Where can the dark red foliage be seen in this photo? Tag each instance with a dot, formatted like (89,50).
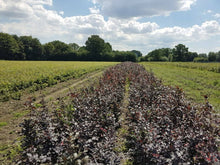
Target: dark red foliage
(167,129)
(164,128)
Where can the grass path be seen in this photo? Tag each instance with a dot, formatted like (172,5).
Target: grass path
(122,132)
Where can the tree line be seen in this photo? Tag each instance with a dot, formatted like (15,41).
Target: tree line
(13,47)
(180,53)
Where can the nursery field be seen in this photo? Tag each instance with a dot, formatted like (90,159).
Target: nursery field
(126,116)
(129,117)
(16,76)
(212,67)
(196,79)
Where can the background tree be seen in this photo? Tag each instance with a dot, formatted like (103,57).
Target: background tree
(20,55)
(13,47)
(218,56)
(8,47)
(83,54)
(95,46)
(74,46)
(165,52)
(130,56)
(107,54)
(180,53)
(155,55)
(119,56)
(170,57)
(212,56)
(200,59)
(203,55)
(57,50)
(137,53)
(48,51)
(122,56)
(191,56)
(32,47)
(162,54)
(107,48)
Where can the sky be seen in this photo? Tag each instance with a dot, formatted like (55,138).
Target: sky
(142,25)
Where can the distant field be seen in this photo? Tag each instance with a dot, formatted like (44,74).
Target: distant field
(196,79)
(19,75)
(213,67)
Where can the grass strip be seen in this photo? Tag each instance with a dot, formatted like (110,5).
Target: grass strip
(122,132)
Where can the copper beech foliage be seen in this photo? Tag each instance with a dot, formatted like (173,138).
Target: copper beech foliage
(164,128)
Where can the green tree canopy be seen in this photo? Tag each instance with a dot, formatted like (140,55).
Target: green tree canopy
(60,47)
(137,53)
(74,46)
(124,56)
(8,47)
(162,54)
(212,56)
(56,50)
(191,56)
(96,47)
(203,55)
(180,53)
(48,50)
(107,47)
(218,56)
(32,47)
(20,55)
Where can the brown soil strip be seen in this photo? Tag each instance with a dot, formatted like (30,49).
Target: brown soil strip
(122,133)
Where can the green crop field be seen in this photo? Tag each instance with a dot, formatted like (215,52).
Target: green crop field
(196,79)
(19,75)
(213,67)
(127,114)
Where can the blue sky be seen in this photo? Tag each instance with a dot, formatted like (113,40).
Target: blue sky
(141,24)
(73,7)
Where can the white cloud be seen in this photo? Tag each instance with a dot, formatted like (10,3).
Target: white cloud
(15,9)
(210,28)
(123,34)
(37,2)
(131,26)
(206,29)
(90,24)
(209,11)
(217,15)
(61,12)
(162,37)
(48,16)
(185,4)
(94,10)
(141,8)
(20,9)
